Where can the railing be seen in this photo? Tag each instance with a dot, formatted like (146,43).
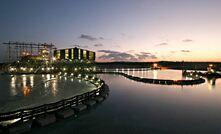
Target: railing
(31,113)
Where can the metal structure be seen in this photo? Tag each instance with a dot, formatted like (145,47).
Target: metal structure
(16,50)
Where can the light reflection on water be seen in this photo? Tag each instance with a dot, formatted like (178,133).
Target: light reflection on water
(160,74)
(139,108)
(211,83)
(154,74)
(20,91)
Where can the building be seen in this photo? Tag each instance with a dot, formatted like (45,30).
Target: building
(74,54)
(44,54)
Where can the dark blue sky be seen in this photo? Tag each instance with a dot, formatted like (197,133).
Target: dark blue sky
(118,29)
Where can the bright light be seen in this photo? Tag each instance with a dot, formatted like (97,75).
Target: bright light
(42,69)
(54,59)
(155,65)
(12,69)
(23,68)
(31,69)
(64,69)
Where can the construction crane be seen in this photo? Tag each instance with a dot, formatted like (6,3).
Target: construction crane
(16,50)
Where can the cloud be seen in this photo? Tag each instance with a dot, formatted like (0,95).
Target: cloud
(80,46)
(162,44)
(89,37)
(107,51)
(145,53)
(187,40)
(124,56)
(172,52)
(98,45)
(131,51)
(145,56)
(185,51)
(116,56)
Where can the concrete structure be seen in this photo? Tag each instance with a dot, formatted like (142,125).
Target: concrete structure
(90,103)
(80,107)
(98,99)
(73,54)
(65,113)
(46,119)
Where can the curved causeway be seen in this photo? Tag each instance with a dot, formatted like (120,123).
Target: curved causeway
(159,81)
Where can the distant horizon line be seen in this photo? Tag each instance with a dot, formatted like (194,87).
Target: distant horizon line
(142,61)
(155,61)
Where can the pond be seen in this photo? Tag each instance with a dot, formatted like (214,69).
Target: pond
(135,107)
(23,91)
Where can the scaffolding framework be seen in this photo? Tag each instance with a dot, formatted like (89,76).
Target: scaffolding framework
(16,50)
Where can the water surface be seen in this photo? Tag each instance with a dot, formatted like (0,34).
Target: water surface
(134,107)
(23,91)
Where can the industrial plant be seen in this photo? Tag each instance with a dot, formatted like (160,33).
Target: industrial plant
(45,52)
(35,58)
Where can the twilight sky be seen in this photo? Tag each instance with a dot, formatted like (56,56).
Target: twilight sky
(118,30)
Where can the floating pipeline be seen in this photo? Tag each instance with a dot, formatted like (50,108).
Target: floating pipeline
(159,81)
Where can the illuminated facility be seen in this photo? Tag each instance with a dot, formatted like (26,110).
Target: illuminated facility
(21,51)
(29,51)
(74,54)
(32,58)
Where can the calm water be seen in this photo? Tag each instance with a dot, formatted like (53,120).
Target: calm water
(22,91)
(155,74)
(134,107)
